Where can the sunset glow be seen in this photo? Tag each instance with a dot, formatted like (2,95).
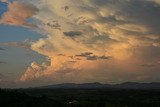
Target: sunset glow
(79,41)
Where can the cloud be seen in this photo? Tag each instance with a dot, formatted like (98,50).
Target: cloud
(25,44)
(112,38)
(156,1)
(72,33)
(91,56)
(85,54)
(6,1)
(1,62)
(97,57)
(81,20)
(2,49)
(33,71)
(54,25)
(18,13)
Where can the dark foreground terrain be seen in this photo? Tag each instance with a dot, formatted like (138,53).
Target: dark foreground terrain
(79,98)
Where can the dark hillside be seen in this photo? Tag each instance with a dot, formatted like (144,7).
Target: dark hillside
(79,98)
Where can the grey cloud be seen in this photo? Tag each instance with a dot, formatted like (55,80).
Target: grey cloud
(73,33)
(150,16)
(85,54)
(119,13)
(130,12)
(54,24)
(2,49)
(98,57)
(66,8)
(91,56)
(105,57)
(2,62)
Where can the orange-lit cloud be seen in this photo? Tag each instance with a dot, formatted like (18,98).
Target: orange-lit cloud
(18,13)
(93,40)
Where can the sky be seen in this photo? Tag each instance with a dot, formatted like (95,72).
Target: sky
(79,41)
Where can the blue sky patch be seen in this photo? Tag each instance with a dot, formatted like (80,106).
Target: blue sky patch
(3,8)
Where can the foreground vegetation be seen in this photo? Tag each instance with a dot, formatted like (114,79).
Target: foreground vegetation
(79,98)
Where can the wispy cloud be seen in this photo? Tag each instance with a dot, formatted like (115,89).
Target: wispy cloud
(24,44)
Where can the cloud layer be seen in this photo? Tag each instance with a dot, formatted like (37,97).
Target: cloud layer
(93,40)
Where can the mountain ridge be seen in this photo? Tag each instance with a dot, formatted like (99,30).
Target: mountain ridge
(96,85)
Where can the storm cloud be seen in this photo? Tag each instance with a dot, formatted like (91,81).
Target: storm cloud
(94,40)
(102,29)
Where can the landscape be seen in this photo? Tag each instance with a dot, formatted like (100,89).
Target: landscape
(84,95)
(79,53)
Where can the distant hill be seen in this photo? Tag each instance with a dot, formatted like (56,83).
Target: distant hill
(126,85)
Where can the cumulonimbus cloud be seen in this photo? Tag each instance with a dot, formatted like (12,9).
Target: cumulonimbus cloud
(114,30)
